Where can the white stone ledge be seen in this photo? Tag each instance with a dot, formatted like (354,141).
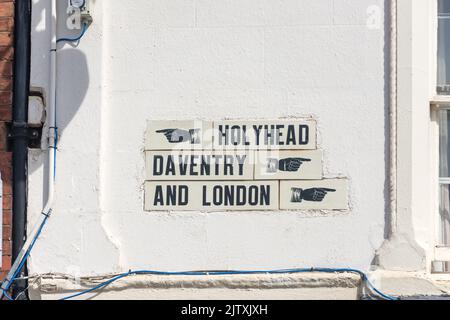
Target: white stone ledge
(346,286)
(290,286)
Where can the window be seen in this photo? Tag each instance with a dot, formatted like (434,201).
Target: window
(444,176)
(442,254)
(443,74)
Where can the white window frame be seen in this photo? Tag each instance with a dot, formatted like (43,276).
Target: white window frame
(439,102)
(441,252)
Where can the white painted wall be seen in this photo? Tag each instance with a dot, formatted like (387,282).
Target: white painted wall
(210,59)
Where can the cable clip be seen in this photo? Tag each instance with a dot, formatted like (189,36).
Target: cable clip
(49,214)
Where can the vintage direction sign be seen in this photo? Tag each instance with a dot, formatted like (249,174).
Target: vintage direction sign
(265,134)
(199,165)
(211,196)
(288,165)
(314,195)
(179,135)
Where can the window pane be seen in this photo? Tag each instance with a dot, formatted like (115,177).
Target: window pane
(444,7)
(443,81)
(444,143)
(445,215)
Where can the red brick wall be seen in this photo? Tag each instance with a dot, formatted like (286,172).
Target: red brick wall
(6,83)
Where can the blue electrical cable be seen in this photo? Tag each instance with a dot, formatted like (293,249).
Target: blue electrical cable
(363,277)
(83,31)
(25,258)
(55,150)
(7,296)
(217,273)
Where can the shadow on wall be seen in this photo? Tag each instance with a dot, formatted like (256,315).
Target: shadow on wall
(72,73)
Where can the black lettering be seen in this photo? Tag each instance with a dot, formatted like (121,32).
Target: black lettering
(159,197)
(158,165)
(257,130)
(205,167)
(183,164)
(244,136)
(241,162)
(171,196)
(265,195)
(253,196)
(183,196)
(279,135)
(241,195)
(217,196)
(229,196)
(236,135)
(304,135)
(228,165)
(170,169)
(270,135)
(291,137)
(206,203)
(217,166)
(193,165)
(224,135)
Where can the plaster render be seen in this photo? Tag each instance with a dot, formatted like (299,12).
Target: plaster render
(158,60)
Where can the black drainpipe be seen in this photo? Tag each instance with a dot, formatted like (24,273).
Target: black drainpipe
(19,130)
